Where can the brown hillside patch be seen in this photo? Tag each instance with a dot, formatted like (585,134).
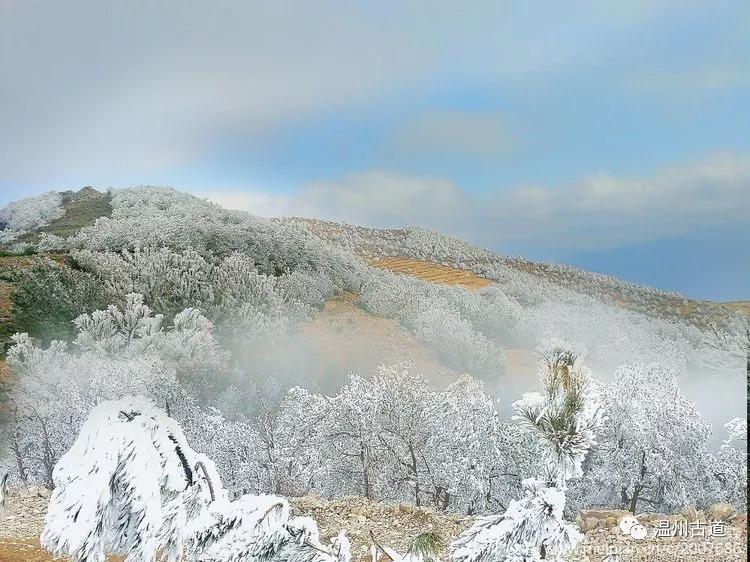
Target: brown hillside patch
(30,550)
(346,338)
(741,306)
(4,371)
(433,272)
(23,550)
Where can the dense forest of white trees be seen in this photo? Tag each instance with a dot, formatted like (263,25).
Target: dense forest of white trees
(388,435)
(192,306)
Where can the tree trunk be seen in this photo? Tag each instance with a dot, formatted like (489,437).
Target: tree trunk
(634,499)
(639,487)
(414,472)
(365,476)
(15,446)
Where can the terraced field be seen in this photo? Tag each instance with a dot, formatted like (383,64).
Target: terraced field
(432,272)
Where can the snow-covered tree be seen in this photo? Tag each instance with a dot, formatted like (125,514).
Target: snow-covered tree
(732,463)
(117,351)
(565,418)
(24,215)
(654,452)
(568,414)
(351,439)
(475,457)
(131,485)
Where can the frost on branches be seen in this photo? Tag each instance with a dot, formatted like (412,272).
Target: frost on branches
(733,463)
(565,418)
(24,215)
(117,351)
(131,485)
(656,456)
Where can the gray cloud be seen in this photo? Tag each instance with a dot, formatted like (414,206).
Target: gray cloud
(118,90)
(598,212)
(455,133)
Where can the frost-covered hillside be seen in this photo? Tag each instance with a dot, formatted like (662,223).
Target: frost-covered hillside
(225,321)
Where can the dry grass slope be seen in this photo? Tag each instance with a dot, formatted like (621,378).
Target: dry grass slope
(344,337)
(740,306)
(433,272)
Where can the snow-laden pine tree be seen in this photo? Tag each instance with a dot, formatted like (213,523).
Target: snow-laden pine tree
(131,485)
(565,418)
(425,547)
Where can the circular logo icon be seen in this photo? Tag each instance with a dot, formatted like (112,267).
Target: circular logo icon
(630,526)
(638,532)
(627,524)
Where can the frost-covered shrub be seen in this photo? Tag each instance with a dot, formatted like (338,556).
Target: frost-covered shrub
(530,530)
(170,281)
(49,296)
(244,303)
(117,351)
(51,243)
(28,214)
(132,485)
(441,316)
(163,217)
(311,288)
(456,341)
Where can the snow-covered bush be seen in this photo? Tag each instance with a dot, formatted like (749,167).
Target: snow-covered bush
(245,305)
(48,296)
(732,463)
(30,213)
(131,485)
(163,217)
(117,351)
(530,530)
(51,243)
(441,316)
